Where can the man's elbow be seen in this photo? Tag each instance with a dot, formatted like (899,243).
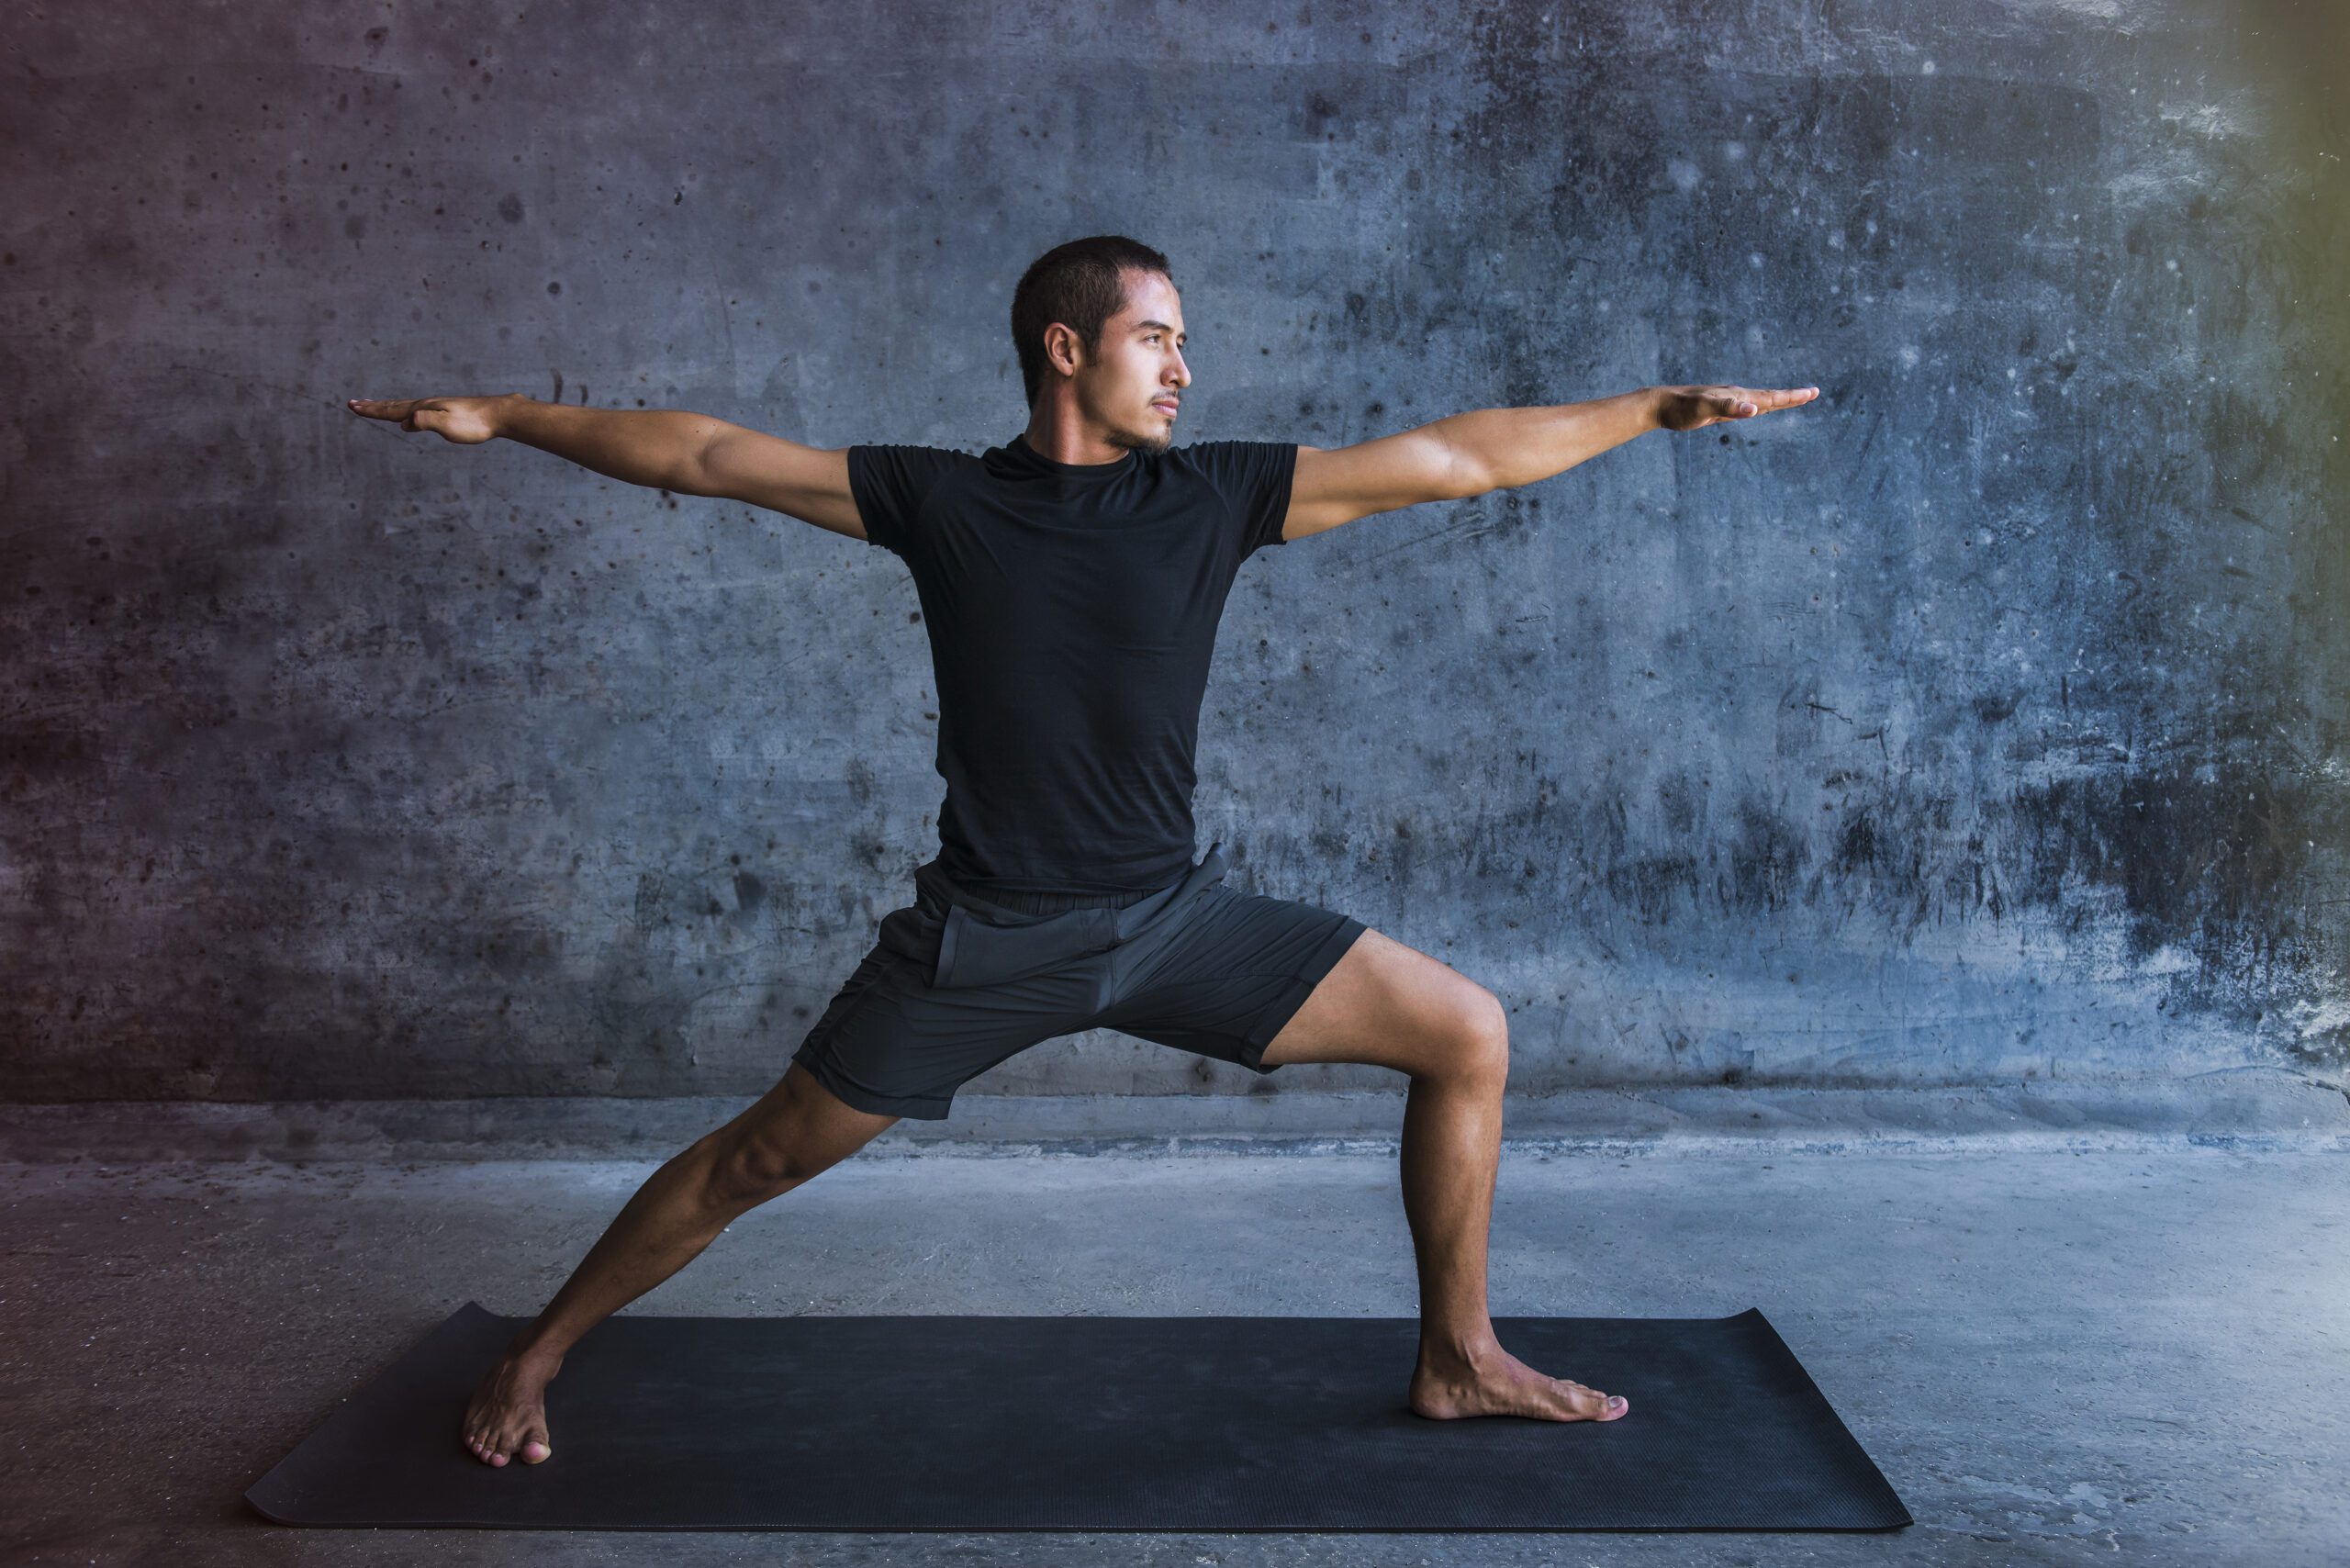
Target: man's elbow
(1465,476)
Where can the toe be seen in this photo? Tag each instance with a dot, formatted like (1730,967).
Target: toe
(536,1449)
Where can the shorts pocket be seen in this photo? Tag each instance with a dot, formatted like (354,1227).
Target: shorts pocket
(912,934)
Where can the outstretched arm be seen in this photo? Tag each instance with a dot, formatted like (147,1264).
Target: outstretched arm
(1516,446)
(670,449)
(1498,449)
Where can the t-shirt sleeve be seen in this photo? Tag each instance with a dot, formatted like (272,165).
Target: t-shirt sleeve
(889,484)
(1254,478)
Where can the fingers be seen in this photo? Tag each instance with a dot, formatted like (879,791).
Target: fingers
(1745,402)
(408,413)
(401,410)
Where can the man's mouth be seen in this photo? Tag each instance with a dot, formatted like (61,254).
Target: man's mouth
(1167,404)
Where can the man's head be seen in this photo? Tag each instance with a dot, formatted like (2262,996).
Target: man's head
(1098,324)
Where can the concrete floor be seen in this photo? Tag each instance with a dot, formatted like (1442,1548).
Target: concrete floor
(2134,1349)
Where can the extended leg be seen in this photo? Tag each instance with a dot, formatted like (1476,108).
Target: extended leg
(1392,1006)
(796,1131)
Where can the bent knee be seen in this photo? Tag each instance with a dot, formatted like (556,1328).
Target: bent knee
(1481,1048)
(1488,1032)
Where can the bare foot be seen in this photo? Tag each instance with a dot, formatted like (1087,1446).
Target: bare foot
(509,1413)
(1445,1388)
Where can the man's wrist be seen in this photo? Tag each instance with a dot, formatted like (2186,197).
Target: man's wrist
(1652,407)
(501,415)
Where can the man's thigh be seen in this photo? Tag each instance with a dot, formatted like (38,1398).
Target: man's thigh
(1262,982)
(893,1043)
(1224,973)
(1392,1006)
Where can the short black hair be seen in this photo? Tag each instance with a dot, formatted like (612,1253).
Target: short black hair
(1080,284)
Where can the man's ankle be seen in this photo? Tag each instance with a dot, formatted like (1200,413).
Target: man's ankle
(1463,1351)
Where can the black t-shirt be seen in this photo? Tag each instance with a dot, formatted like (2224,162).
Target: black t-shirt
(1072,610)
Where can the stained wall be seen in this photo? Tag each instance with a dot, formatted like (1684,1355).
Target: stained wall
(1982,721)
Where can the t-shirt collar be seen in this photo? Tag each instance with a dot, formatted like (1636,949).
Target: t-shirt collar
(1020,449)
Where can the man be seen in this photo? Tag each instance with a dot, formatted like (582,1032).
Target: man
(1071,581)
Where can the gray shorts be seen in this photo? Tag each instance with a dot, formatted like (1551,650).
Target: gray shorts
(945,994)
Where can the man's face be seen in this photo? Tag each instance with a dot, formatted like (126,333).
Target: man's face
(1132,384)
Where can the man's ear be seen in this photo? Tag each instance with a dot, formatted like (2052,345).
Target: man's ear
(1058,336)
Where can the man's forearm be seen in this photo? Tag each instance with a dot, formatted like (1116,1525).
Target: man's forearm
(1516,446)
(656,447)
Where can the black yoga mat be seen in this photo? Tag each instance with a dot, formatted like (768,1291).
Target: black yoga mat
(1208,1424)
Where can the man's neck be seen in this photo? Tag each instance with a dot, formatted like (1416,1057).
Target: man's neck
(1066,439)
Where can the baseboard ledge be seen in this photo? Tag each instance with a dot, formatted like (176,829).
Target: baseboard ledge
(2250,1108)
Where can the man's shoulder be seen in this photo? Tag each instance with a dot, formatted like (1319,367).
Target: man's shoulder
(1226,448)
(1240,460)
(1237,462)
(914,452)
(895,483)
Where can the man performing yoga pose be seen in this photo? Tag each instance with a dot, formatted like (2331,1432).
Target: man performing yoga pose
(1071,581)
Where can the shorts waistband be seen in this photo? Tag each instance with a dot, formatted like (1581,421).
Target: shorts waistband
(931,885)
(1053,903)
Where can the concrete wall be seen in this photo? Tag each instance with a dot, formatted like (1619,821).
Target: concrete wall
(1983,721)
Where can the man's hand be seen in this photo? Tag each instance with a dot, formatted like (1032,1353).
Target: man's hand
(468,422)
(1695,408)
